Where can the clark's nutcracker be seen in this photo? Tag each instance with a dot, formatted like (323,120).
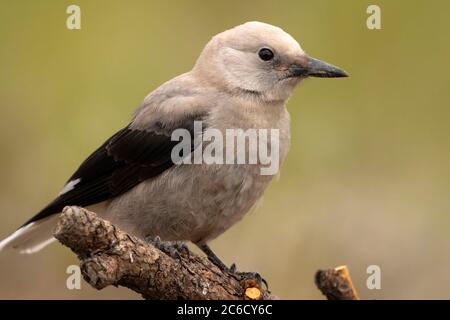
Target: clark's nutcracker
(242,79)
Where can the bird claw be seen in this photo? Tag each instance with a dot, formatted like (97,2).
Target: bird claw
(232,270)
(175,249)
(181,248)
(245,276)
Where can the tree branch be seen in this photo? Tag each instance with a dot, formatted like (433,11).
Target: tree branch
(109,256)
(336,284)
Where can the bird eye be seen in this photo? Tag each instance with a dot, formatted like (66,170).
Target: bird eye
(265,54)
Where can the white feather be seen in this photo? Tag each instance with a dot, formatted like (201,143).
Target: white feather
(5,242)
(69,186)
(32,237)
(37,235)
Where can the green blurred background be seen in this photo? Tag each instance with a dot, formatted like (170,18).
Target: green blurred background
(367,180)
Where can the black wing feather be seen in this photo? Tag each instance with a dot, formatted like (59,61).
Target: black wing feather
(123,161)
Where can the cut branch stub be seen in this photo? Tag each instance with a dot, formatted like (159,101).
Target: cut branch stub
(336,284)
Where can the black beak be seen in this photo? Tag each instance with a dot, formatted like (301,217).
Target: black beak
(317,68)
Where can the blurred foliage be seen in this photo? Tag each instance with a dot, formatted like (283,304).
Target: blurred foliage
(367,180)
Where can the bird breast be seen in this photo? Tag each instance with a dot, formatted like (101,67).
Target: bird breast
(198,202)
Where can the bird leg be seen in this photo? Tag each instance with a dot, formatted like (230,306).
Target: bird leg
(241,276)
(213,257)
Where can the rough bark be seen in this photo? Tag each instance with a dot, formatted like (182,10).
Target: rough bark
(109,256)
(336,284)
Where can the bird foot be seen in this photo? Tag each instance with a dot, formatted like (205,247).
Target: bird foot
(240,276)
(175,249)
(248,276)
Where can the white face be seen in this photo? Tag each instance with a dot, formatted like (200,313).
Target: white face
(256,58)
(260,60)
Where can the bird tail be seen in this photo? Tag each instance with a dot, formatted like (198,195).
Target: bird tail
(31,237)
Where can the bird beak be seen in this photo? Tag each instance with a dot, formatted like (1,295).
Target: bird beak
(316,68)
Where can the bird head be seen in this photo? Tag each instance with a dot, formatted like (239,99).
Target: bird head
(260,59)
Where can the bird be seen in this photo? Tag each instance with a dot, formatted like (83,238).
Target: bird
(243,78)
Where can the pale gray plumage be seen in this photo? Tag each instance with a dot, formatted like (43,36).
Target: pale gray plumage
(229,87)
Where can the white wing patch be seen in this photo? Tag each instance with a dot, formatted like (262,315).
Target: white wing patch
(69,186)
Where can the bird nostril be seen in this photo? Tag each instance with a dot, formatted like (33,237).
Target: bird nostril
(303,61)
